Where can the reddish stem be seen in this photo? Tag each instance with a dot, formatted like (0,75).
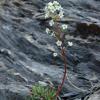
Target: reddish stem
(65,71)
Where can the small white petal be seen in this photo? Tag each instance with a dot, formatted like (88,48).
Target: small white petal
(55,54)
(59,43)
(47,30)
(51,22)
(70,43)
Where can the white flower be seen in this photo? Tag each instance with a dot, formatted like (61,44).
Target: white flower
(55,54)
(70,43)
(47,30)
(61,14)
(64,26)
(46,15)
(59,43)
(50,4)
(52,34)
(42,83)
(58,7)
(51,7)
(51,22)
(55,3)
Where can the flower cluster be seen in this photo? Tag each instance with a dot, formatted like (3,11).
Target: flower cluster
(53,8)
(55,12)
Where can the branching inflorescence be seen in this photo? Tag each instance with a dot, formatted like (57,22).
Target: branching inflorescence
(55,12)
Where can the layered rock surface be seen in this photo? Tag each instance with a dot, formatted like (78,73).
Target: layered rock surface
(26,50)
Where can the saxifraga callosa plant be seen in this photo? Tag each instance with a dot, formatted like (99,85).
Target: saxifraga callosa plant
(55,12)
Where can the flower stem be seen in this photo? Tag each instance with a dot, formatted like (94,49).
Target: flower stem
(65,72)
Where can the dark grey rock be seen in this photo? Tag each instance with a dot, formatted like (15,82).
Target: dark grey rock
(26,49)
(13,92)
(95,93)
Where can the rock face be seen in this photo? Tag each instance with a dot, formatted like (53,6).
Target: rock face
(26,50)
